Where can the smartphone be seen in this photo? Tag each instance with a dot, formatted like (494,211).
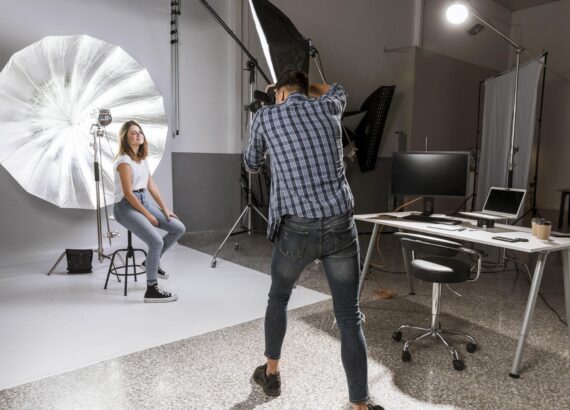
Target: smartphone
(504,238)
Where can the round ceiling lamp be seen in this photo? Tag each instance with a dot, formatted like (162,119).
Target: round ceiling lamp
(457,13)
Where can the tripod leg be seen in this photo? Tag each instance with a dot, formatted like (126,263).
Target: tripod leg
(57,263)
(245,210)
(260,214)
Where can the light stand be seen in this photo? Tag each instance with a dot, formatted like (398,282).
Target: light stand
(456,14)
(98,131)
(534,184)
(252,65)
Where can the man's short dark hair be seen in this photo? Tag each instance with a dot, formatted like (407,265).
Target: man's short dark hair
(294,79)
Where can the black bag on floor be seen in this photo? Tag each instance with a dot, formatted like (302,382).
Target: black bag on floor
(79,260)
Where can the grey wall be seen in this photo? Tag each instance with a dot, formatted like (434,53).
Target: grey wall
(485,49)
(207,189)
(445,108)
(31,226)
(445,101)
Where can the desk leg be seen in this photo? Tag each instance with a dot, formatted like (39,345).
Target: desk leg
(566,276)
(366,265)
(561,211)
(407,257)
(529,310)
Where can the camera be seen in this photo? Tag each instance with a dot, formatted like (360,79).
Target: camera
(261,99)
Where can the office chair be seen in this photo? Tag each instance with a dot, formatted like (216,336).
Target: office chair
(434,260)
(368,133)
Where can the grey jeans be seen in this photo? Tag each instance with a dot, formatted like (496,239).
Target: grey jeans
(137,223)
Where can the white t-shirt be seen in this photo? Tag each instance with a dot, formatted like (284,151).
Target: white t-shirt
(139,175)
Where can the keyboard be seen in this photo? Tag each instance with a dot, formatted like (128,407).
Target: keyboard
(430,219)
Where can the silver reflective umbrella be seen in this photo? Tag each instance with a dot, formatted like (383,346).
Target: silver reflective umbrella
(49,92)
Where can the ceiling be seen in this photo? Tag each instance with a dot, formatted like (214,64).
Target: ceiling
(515,5)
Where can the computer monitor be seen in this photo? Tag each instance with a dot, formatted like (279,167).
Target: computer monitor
(430,174)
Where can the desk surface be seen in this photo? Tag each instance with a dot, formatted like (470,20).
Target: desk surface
(470,232)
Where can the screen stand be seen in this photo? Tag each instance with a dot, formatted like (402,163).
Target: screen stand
(428,206)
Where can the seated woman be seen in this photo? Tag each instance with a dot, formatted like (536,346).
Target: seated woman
(134,210)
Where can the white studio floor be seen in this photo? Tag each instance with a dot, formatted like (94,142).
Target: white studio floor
(53,324)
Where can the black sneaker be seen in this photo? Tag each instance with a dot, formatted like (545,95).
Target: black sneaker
(371,406)
(156,295)
(160,274)
(271,384)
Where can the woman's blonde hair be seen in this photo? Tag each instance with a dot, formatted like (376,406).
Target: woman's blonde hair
(125,148)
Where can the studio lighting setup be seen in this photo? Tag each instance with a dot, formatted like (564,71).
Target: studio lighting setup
(284,48)
(59,138)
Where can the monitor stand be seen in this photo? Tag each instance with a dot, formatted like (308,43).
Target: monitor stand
(428,206)
(485,223)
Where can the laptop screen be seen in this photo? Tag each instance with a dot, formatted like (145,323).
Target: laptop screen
(504,201)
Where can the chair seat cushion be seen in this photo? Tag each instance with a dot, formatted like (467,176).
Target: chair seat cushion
(440,270)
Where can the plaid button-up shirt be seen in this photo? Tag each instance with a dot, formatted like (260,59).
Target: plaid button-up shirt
(303,137)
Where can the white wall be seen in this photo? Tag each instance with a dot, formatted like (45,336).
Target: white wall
(31,226)
(210,79)
(546,28)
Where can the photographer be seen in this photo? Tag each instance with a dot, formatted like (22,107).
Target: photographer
(310,217)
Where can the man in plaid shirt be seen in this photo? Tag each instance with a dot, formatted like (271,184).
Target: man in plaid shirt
(310,217)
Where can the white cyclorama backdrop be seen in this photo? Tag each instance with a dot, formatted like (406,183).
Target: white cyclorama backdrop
(496,129)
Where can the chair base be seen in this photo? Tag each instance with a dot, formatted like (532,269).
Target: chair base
(437,333)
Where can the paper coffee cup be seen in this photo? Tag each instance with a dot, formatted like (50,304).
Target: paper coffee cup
(534,224)
(543,230)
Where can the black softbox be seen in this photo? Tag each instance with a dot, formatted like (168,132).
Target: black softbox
(284,47)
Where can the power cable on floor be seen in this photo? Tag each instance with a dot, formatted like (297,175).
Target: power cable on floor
(529,279)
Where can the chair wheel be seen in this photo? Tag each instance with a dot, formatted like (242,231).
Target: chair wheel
(471,347)
(406,356)
(213,264)
(236,246)
(397,336)
(458,365)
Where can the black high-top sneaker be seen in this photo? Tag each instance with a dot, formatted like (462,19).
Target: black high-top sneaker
(156,295)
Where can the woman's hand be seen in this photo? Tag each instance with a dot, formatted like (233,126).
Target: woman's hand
(152,219)
(168,213)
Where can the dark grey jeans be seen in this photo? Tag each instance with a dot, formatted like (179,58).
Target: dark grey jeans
(334,241)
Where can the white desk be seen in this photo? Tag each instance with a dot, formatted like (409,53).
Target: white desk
(472,233)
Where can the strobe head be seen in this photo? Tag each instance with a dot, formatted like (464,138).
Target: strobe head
(104,117)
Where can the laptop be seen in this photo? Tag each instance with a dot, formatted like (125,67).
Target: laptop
(501,203)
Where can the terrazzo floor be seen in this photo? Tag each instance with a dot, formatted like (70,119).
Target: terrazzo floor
(212,371)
